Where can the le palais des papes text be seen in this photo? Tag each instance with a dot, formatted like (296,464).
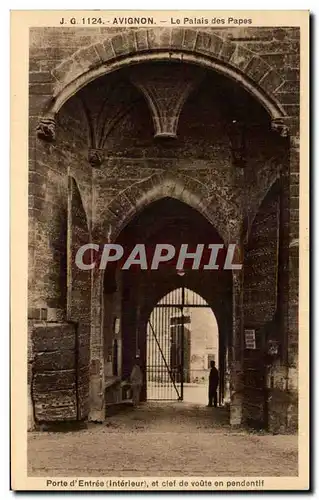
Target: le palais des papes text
(147,21)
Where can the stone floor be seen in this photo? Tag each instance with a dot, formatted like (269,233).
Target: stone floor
(162,439)
(192,393)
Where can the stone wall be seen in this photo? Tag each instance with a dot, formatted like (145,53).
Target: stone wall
(99,128)
(260,303)
(79,293)
(58,218)
(269,56)
(54,382)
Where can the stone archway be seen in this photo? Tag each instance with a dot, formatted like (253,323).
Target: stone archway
(216,305)
(131,50)
(220,212)
(140,293)
(182,337)
(198,47)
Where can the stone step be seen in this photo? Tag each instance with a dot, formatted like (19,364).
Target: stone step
(117,406)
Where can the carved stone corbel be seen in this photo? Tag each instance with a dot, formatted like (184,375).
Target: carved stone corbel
(279,125)
(95,157)
(46,129)
(166,91)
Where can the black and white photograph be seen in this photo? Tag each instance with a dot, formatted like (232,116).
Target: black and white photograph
(166,243)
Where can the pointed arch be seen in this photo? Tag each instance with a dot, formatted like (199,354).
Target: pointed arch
(213,206)
(261,260)
(272,186)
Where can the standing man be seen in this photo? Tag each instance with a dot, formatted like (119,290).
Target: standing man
(213,384)
(136,380)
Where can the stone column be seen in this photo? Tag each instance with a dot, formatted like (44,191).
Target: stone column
(97,376)
(292,321)
(283,403)
(237,348)
(53,341)
(293,268)
(47,227)
(291,224)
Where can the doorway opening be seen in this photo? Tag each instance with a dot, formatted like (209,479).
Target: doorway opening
(182,340)
(140,292)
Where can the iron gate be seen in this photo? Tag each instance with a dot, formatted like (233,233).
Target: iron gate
(168,345)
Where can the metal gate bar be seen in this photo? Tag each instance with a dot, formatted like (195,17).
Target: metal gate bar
(161,377)
(166,345)
(165,362)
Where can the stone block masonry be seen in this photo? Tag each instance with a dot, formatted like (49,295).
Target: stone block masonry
(54,372)
(122,118)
